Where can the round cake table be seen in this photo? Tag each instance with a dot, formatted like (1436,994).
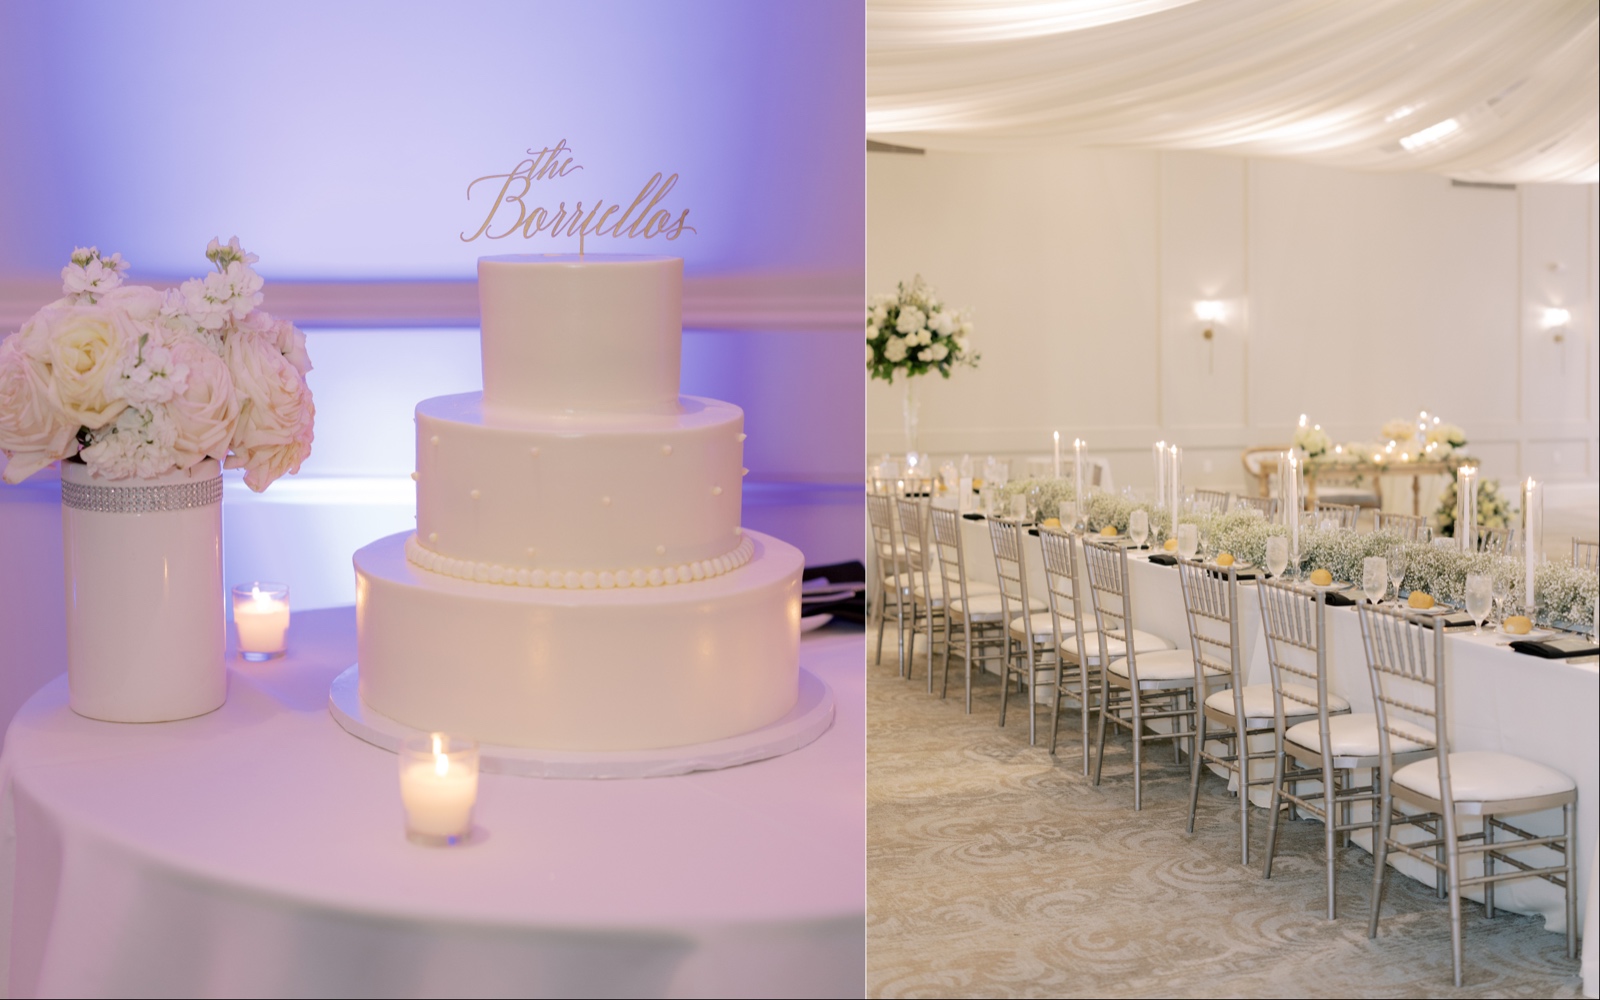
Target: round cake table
(259,850)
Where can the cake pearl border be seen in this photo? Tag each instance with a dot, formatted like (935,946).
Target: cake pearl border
(656,576)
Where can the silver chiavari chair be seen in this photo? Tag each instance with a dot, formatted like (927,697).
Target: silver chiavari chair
(976,612)
(1405,659)
(1077,660)
(1413,528)
(1343,515)
(1148,685)
(893,580)
(1231,711)
(1585,554)
(1215,501)
(1270,507)
(921,564)
(1497,540)
(1025,657)
(1314,769)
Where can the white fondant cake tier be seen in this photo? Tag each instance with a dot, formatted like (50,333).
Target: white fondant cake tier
(563,333)
(579,493)
(580,669)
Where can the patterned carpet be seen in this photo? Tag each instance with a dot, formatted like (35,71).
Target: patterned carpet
(995,870)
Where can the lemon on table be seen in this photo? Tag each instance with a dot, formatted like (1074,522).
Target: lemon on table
(1109,531)
(1321,578)
(1052,522)
(1225,560)
(1518,625)
(1171,545)
(1420,600)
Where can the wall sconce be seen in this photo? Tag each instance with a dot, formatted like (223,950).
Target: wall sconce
(1210,313)
(1555,320)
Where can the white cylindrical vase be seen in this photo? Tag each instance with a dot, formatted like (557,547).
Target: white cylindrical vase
(146,638)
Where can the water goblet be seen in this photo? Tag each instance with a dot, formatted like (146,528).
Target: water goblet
(1139,527)
(1277,555)
(1188,540)
(1502,593)
(1374,578)
(1480,597)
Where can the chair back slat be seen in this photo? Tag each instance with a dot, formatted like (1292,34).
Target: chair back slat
(1343,515)
(1413,528)
(1270,507)
(1497,540)
(919,555)
(1211,602)
(1215,501)
(1061,582)
(1585,554)
(1007,538)
(952,561)
(1294,622)
(1405,660)
(1107,565)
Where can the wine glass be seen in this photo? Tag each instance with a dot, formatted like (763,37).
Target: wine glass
(1139,527)
(1397,570)
(1067,514)
(1374,578)
(1277,555)
(1480,597)
(1188,540)
(1502,593)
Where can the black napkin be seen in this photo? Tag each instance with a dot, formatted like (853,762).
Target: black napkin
(1557,649)
(1334,599)
(852,608)
(1458,619)
(1164,559)
(979,517)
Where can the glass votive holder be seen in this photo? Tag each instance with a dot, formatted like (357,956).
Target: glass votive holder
(438,787)
(261,615)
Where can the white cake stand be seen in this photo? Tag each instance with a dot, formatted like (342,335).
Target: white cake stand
(810,717)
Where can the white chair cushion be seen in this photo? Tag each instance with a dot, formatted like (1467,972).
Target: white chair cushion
(1160,665)
(1143,642)
(1258,703)
(1041,627)
(1485,776)
(974,587)
(1353,736)
(984,607)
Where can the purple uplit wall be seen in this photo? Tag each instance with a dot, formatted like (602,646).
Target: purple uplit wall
(337,139)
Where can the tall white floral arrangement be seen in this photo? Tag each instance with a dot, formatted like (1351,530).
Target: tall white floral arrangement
(134,382)
(910,332)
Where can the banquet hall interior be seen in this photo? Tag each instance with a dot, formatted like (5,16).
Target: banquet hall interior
(266,848)
(1188,325)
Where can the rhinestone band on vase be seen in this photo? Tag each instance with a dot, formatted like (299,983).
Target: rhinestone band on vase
(141,499)
(466,569)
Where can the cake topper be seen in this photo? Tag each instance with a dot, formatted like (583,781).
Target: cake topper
(642,219)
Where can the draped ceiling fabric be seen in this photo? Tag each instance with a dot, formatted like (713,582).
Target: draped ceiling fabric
(1485,90)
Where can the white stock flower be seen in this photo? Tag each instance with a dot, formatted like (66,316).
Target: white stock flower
(138,444)
(33,430)
(223,255)
(910,320)
(226,295)
(90,275)
(274,432)
(895,350)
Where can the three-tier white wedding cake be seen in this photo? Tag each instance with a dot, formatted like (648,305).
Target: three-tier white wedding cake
(579,579)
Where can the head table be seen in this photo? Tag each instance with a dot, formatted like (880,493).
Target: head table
(259,850)
(1544,710)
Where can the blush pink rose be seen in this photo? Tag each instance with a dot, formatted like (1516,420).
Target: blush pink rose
(33,430)
(273,434)
(207,411)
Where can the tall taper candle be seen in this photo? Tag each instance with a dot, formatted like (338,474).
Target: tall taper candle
(1532,548)
(1058,453)
(1467,507)
(1079,480)
(1160,450)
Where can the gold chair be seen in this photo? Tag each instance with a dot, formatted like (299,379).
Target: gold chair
(1149,684)
(1406,661)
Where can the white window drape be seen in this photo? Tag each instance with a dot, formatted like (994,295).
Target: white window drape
(1488,90)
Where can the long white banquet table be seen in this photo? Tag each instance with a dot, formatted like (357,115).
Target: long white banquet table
(259,850)
(1544,710)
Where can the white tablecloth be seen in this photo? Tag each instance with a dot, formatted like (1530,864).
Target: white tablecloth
(1544,710)
(259,851)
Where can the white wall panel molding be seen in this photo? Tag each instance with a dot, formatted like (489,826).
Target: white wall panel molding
(746,302)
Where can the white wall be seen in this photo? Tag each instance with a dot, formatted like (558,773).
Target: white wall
(1353,297)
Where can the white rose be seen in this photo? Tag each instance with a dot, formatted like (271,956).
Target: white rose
(204,415)
(872,330)
(879,314)
(33,430)
(941,323)
(924,336)
(274,431)
(960,341)
(910,320)
(282,334)
(895,350)
(937,352)
(84,346)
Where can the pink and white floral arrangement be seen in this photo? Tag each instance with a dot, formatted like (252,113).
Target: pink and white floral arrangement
(135,382)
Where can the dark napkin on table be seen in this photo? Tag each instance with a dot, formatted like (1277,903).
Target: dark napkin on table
(1163,559)
(1557,649)
(980,517)
(1334,599)
(1458,619)
(848,608)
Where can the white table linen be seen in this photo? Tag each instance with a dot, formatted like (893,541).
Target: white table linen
(259,850)
(1547,711)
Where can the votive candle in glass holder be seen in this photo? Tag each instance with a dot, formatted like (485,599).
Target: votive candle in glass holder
(261,614)
(438,787)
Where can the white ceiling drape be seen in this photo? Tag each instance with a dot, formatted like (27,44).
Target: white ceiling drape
(1488,90)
